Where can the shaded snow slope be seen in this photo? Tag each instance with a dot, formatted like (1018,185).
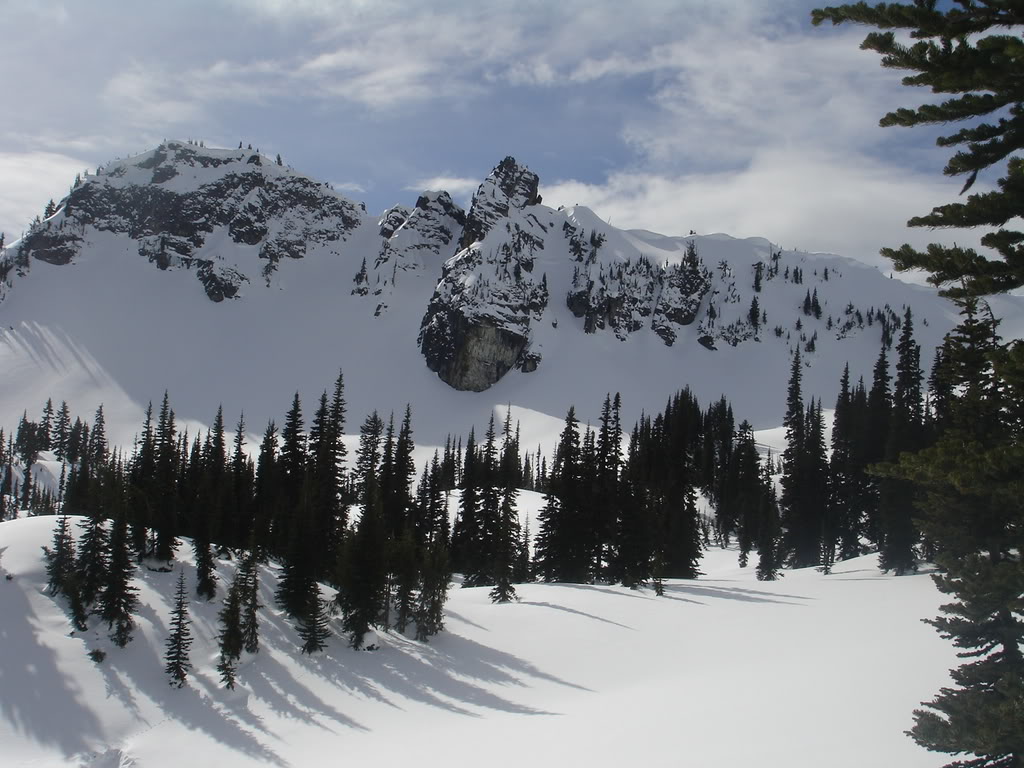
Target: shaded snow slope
(723,671)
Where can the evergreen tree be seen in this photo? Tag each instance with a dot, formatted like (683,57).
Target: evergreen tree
(803,492)
(176,660)
(843,524)
(60,561)
(364,574)
(896,496)
(971,480)
(562,552)
(165,496)
(118,600)
(267,493)
(506,535)
(435,576)
(467,532)
(250,604)
(406,576)
(606,497)
(92,564)
(230,638)
(312,627)
(206,578)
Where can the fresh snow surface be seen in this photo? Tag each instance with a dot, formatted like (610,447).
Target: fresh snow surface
(723,671)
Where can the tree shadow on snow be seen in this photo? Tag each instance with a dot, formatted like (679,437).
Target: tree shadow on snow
(575,612)
(37,698)
(189,705)
(704,589)
(451,672)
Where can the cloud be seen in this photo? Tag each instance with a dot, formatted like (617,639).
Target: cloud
(30,180)
(349,186)
(799,199)
(456,186)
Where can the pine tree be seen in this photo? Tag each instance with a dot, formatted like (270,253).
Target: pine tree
(231,639)
(896,496)
(118,600)
(250,604)
(206,578)
(435,576)
(954,53)
(313,629)
(165,496)
(60,561)
(562,552)
(92,565)
(971,480)
(176,660)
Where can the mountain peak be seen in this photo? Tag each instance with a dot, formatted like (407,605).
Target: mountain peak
(510,186)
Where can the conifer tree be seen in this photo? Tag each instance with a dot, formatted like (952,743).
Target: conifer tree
(803,497)
(364,574)
(176,658)
(206,578)
(606,496)
(60,560)
(313,629)
(230,638)
(250,603)
(896,496)
(435,576)
(165,496)
(267,491)
(92,564)
(971,480)
(118,600)
(562,551)
(842,532)
(406,577)
(466,534)
(769,534)
(506,534)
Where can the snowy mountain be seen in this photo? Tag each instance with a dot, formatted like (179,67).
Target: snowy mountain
(571,675)
(223,276)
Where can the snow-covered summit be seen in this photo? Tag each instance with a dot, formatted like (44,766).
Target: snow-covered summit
(190,258)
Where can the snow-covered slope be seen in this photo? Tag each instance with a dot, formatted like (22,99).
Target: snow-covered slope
(724,671)
(225,278)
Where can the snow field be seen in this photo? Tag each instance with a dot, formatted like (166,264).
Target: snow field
(809,670)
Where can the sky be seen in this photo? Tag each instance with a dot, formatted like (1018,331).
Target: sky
(732,116)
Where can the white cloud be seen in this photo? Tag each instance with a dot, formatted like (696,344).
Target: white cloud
(30,180)
(814,201)
(456,186)
(349,186)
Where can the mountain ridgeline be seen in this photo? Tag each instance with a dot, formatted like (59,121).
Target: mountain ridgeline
(495,287)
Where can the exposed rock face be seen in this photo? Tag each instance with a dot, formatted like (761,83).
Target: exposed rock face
(470,354)
(478,323)
(412,240)
(715,325)
(509,187)
(57,245)
(172,199)
(627,295)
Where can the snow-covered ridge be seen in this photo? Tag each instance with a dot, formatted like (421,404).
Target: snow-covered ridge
(543,307)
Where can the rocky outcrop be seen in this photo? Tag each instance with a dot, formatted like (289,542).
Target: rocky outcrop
(170,200)
(471,354)
(478,325)
(628,295)
(509,187)
(412,240)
